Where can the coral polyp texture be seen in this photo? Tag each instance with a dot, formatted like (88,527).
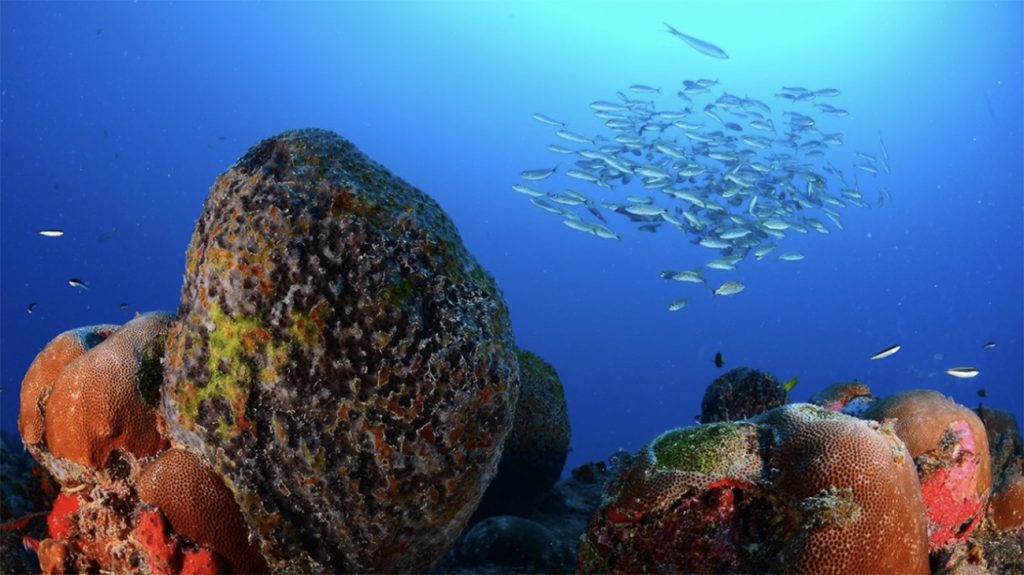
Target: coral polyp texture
(535,450)
(340,359)
(799,489)
(949,445)
(92,391)
(741,393)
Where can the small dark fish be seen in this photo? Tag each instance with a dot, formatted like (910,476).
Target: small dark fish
(649,228)
(99,31)
(124,305)
(719,362)
(982,392)
(989,345)
(78,283)
(108,235)
(734,126)
(221,138)
(31,308)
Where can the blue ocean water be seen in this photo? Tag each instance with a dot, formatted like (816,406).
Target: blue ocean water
(117,117)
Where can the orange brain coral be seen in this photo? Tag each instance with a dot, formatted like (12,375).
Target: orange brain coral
(38,381)
(97,403)
(199,506)
(859,489)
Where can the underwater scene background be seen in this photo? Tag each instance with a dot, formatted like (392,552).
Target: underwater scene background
(116,119)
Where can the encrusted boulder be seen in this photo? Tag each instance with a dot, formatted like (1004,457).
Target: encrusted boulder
(741,393)
(536,449)
(799,489)
(340,359)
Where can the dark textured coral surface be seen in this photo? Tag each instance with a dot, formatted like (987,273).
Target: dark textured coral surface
(741,393)
(340,359)
(536,449)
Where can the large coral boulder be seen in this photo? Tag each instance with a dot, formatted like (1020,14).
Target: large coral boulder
(340,359)
(949,445)
(799,489)
(535,450)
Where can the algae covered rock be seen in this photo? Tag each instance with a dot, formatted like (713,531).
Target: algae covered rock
(340,359)
(799,489)
(536,449)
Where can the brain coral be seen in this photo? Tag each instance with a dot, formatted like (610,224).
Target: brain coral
(536,449)
(949,444)
(199,506)
(799,489)
(105,383)
(857,488)
(1007,508)
(340,359)
(741,393)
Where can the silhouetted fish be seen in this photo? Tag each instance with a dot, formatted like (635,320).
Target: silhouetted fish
(719,362)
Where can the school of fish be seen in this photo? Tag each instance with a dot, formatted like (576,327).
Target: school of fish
(733,174)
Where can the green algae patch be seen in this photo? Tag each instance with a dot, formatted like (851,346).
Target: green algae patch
(531,365)
(234,348)
(707,448)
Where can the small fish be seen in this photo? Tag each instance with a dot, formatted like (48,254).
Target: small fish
(78,283)
(982,392)
(537,175)
(719,362)
(642,89)
(527,190)
(989,345)
(697,44)
(789,385)
(963,372)
(730,287)
(678,304)
(31,308)
(791,256)
(107,235)
(886,352)
(124,305)
(547,120)
(51,233)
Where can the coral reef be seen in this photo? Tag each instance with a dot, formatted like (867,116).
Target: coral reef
(535,450)
(799,489)
(340,359)
(849,397)
(741,393)
(949,445)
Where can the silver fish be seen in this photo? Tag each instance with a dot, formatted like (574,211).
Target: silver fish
(791,256)
(78,283)
(678,304)
(963,372)
(547,120)
(697,44)
(730,287)
(886,352)
(537,175)
(51,233)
